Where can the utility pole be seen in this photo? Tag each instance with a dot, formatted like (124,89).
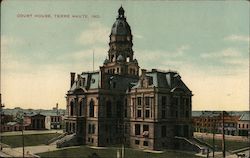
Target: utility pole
(213,136)
(20,119)
(223,136)
(1,109)
(93,60)
(23,138)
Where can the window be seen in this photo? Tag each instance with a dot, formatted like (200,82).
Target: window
(89,129)
(187,114)
(138,113)
(145,128)
(108,108)
(80,108)
(163,114)
(243,125)
(239,125)
(118,109)
(163,101)
(247,125)
(145,143)
(147,113)
(139,101)
(91,108)
(83,81)
(163,131)
(71,108)
(93,129)
(147,101)
(137,142)
(137,129)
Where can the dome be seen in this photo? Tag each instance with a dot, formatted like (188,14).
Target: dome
(121,27)
(120,58)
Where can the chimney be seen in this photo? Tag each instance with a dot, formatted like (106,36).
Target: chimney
(143,72)
(72,75)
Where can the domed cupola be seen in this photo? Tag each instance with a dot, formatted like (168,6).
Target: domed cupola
(121,27)
(120,54)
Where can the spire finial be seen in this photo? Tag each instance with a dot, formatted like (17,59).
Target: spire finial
(121,11)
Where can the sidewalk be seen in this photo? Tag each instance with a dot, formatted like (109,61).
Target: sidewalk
(219,136)
(26,132)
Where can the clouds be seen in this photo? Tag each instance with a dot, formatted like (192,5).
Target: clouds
(228,52)
(9,41)
(95,33)
(240,38)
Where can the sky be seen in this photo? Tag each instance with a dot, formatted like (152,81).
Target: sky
(207,42)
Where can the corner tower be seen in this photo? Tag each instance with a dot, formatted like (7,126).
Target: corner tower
(120,55)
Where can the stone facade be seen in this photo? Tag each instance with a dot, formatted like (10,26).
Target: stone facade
(116,105)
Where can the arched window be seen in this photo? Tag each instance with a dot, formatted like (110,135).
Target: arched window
(108,108)
(81,107)
(119,108)
(127,59)
(71,108)
(91,108)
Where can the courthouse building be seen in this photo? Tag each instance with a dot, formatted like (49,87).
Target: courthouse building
(120,103)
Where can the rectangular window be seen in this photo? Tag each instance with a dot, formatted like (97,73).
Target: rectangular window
(137,142)
(147,113)
(139,101)
(125,112)
(243,125)
(138,113)
(147,101)
(145,143)
(163,101)
(89,129)
(187,114)
(137,129)
(163,114)
(93,129)
(145,128)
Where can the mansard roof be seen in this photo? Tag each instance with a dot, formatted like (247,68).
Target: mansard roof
(91,81)
(164,79)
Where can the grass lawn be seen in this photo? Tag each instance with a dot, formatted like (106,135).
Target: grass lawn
(85,152)
(29,140)
(230,145)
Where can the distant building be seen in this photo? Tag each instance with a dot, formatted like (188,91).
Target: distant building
(11,126)
(53,121)
(34,121)
(117,105)
(244,125)
(209,122)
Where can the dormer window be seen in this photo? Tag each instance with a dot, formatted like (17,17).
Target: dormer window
(83,81)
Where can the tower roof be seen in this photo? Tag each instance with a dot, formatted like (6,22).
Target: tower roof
(121,27)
